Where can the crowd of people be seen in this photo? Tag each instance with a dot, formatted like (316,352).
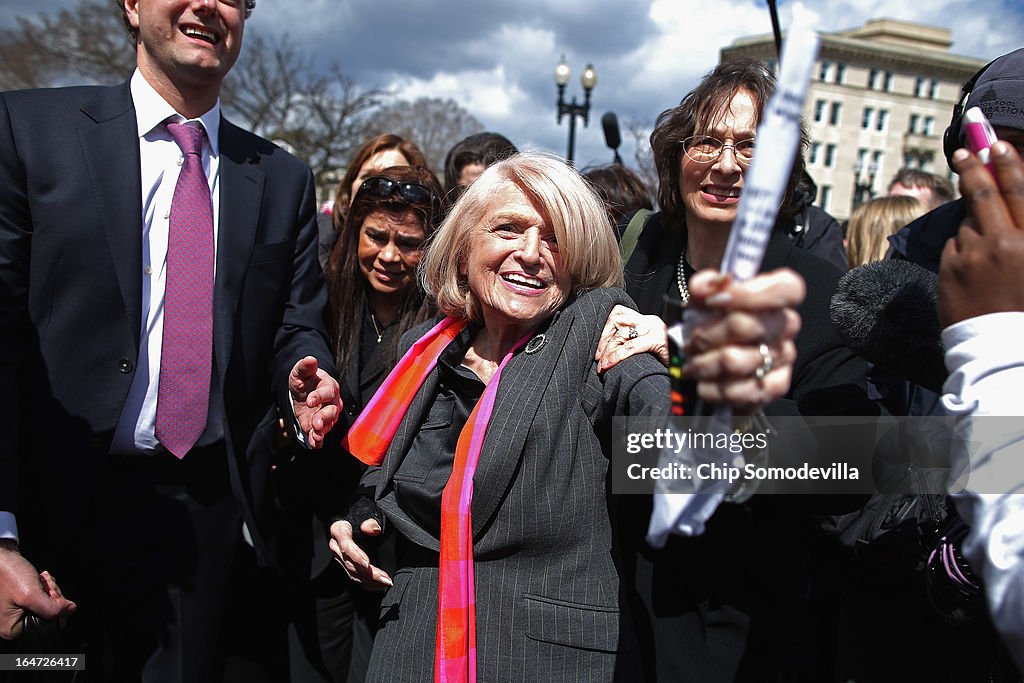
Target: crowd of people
(248,440)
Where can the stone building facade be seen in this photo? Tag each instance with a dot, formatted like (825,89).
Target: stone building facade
(880,99)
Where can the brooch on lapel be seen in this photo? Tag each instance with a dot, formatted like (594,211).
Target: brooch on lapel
(533,346)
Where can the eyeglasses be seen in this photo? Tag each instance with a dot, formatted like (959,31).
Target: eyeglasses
(704,149)
(414,193)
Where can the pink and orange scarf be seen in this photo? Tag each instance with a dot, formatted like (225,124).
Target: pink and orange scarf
(369,439)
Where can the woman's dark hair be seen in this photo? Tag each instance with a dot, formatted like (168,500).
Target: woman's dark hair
(698,112)
(346,285)
(621,190)
(379,143)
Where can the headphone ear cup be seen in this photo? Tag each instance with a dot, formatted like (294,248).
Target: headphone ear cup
(951,138)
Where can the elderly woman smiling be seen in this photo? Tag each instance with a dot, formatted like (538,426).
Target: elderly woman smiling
(491,436)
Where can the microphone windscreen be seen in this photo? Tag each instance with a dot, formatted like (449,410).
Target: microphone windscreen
(610,123)
(886,312)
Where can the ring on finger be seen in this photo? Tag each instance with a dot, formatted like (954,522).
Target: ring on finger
(767,362)
(632,333)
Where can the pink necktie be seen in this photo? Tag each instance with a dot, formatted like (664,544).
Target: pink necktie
(186,354)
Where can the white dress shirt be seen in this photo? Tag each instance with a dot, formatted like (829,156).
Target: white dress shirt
(986,364)
(161,161)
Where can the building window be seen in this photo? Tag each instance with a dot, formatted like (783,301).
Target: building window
(888,81)
(814,153)
(834,113)
(919,86)
(862,158)
(826,197)
(929,125)
(865,121)
(819,111)
(873,79)
(823,73)
(933,90)
(876,160)
(913,123)
(830,155)
(840,73)
(883,119)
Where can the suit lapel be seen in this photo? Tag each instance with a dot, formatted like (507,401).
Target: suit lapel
(109,140)
(523,383)
(241,194)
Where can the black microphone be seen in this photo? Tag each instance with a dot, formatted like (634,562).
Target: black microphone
(886,312)
(610,123)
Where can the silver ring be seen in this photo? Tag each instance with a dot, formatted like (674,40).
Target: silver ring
(767,362)
(631,333)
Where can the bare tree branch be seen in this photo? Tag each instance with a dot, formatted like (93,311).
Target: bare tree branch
(276,91)
(433,123)
(85,43)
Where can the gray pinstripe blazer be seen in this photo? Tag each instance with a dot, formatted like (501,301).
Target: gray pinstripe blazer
(547,575)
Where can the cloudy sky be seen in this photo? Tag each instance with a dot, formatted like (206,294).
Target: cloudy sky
(497,57)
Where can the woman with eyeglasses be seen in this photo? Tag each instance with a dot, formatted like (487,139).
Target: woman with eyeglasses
(744,599)
(373,299)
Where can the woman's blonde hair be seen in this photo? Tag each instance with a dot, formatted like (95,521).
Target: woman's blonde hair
(586,239)
(871,224)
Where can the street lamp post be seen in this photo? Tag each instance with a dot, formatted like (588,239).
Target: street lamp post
(860,189)
(588,79)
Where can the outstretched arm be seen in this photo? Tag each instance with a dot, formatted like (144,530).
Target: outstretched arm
(316,400)
(743,328)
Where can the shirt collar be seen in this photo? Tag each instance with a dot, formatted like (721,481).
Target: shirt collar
(151,110)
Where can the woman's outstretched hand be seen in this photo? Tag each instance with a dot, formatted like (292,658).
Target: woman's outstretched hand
(354,559)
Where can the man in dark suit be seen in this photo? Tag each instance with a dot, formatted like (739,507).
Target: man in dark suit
(147,244)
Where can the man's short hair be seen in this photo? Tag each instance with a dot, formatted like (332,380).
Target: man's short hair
(482,148)
(941,188)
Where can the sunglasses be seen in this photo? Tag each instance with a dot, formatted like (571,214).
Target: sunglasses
(414,193)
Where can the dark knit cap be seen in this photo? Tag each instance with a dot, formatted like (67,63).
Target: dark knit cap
(999,92)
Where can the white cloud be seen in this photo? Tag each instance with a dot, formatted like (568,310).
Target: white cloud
(487,94)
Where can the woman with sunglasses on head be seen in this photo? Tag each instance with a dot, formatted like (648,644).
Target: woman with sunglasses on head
(742,600)
(373,299)
(376,154)
(371,274)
